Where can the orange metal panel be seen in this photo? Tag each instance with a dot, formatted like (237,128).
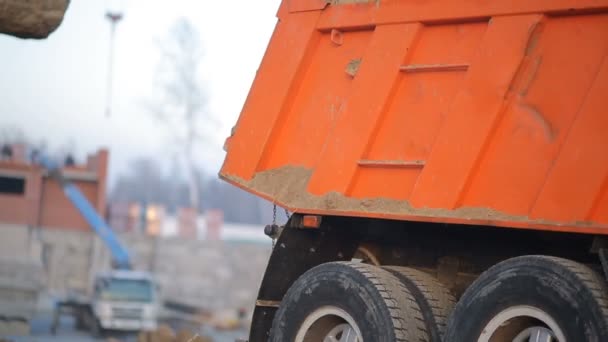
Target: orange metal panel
(421,101)
(280,69)
(462,112)
(531,131)
(298,140)
(579,173)
(306,5)
(474,113)
(373,86)
(599,213)
(442,11)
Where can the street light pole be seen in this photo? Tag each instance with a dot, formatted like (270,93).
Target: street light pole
(114,18)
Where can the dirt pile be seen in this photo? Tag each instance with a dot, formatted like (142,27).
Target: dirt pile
(31,19)
(288,186)
(164,333)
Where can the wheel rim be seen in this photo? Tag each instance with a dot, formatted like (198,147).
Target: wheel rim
(329,324)
(522,323)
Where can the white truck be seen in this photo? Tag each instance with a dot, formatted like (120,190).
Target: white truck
(125,300)
(121,300)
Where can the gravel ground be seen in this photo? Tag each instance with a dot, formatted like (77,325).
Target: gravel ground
(41,324)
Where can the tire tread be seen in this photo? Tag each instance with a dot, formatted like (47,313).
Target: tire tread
(434,299)
(586,290)
(590,279)
(404,309)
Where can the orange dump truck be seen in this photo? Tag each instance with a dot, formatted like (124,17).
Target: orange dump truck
(447,166)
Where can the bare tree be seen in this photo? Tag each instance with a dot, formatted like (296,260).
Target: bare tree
(144,182)
(180,102)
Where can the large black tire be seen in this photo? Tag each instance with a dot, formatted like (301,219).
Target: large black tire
(94,326)
(434,299)
(381,307)
(571,294)
(96,330)
(80,322)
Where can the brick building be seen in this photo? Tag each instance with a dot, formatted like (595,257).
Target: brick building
(28,196)
(41,229)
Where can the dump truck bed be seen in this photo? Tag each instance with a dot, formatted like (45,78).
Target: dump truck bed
(489,113)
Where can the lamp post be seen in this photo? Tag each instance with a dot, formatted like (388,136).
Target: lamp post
(114,18)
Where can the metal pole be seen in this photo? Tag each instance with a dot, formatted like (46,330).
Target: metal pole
(114,18)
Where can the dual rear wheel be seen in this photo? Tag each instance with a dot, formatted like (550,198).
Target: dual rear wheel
(530,298)
(533,298)
(355,302)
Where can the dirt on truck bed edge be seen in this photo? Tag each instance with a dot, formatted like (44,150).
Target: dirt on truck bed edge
(287,186)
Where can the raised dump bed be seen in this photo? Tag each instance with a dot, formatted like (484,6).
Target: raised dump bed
(491,114)
(401,133)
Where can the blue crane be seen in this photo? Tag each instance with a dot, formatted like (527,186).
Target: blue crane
(120,255)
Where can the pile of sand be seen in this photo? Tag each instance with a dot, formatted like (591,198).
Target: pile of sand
(31,19)
(288,186)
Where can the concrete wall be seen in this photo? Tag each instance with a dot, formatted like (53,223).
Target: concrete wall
(209,274)
(212,275)
(22,274)
(68,259)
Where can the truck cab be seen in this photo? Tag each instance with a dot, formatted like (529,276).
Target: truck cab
(125,300)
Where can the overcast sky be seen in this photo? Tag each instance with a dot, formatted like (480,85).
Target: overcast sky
(54,89)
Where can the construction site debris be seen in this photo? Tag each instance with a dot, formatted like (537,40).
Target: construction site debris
(164,333)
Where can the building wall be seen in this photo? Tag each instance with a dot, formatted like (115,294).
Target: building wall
(20,208)
(42,227)
(211,275)
(67,257)
(57,211)
(43,203)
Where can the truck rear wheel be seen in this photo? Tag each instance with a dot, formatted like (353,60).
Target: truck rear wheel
(93,324)
(345,301)
(532,298)
(434,299)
